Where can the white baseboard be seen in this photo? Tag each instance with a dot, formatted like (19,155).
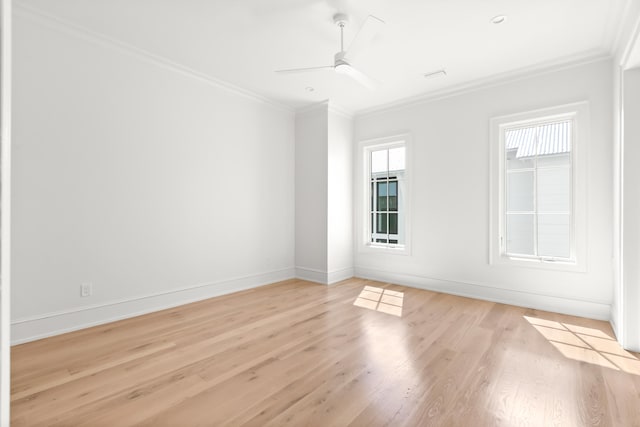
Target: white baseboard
(324,277)
(574,307)
(613,321)
(46,325)
(42,326)
(311,275)
(336,276)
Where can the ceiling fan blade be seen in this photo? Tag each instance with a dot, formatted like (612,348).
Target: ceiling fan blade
(359,76)
(371,27)
(303,70)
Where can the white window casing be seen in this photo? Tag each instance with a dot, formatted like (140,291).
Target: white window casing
(363,194)
(577,118)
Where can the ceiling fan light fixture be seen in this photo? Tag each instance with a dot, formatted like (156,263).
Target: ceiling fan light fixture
(342,68)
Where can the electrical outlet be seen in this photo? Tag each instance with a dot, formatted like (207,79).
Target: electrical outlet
(86,289)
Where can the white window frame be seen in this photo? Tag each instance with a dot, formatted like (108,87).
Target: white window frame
(363,222)
(578,114)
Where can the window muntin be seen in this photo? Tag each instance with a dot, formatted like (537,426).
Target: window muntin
(537,207)
(386,166)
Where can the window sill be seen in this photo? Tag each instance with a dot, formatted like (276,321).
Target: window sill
(377,248)
(539,263)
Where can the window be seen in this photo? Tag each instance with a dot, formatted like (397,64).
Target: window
(387,174)
(538,190)
(385,194)
(539,185)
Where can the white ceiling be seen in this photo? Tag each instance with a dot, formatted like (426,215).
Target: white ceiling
(243,41)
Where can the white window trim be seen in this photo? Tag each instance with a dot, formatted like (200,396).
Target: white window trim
(362,193)
(579,114)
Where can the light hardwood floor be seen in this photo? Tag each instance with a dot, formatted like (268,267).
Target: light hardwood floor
(296,353)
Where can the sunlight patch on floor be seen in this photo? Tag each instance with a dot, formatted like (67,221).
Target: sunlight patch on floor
(382,300)
(586,345)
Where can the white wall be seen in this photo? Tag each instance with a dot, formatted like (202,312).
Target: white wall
(155,185)
(631,209)
(324,174)
(311,135)
(627,56)
(616,301)
(450,194)
(5,209)
(340,197)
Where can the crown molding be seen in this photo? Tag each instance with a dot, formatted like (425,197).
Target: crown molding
(492,81)
(627,45)
(615,27)
(53,22)
(630,18)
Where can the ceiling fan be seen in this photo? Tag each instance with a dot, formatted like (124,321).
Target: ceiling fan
(342,59)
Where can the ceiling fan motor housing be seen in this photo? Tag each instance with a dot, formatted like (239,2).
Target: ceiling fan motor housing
(340,63)
(340,58)
(341,19)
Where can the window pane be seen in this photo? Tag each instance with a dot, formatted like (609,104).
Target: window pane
(382,203)
(373,226)
(372,196)
(520,234)
(554,235)
(520,147)
(393,188)
(538,201)
(379,161)
(554,194)
(554,160)
(386,206)
(382,188)
(393,196)
(520,191)
(382,196)
(396,159)
(393,223)
(553,139)
(393,203)
(515,162)
(381,223)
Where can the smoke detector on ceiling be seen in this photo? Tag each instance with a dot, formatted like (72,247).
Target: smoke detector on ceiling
(498,19)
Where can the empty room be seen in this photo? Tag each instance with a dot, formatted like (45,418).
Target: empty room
(320,213)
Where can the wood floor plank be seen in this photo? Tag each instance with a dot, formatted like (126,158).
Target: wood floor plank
(359,353)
